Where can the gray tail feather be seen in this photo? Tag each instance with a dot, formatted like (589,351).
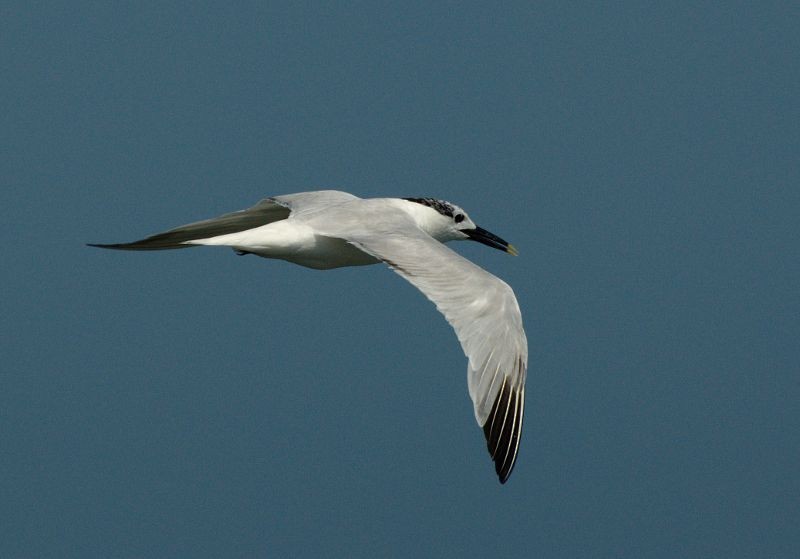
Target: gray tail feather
(266,211)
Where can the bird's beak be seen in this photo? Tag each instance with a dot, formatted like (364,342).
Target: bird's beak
(483,236)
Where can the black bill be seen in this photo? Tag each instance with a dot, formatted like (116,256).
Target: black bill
(490,239)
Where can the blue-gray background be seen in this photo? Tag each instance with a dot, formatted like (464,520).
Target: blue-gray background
(642,156)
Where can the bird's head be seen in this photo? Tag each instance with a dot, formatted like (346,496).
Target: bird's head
(445,221)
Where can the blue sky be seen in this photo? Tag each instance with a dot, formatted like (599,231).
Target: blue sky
(641,156)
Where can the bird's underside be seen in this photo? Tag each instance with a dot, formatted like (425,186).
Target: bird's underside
(327,229)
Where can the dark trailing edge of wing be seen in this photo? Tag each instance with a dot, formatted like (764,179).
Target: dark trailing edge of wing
(266,211)
(503,427)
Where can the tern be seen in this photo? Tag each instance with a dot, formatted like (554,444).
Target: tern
(329,229)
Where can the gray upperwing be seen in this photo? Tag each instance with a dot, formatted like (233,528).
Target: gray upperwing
(266,211)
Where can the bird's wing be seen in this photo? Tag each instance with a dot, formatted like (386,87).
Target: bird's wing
(266,211)
(485,315)
(305,203)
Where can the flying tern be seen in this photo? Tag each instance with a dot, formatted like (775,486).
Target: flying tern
(329,229)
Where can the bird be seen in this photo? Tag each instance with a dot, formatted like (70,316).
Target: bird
(329,229)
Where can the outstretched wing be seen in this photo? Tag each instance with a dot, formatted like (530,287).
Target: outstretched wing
(486,317)
(266,211)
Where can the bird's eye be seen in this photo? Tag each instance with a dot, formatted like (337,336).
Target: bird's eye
(459,218)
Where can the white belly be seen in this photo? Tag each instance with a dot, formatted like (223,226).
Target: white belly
(325,253)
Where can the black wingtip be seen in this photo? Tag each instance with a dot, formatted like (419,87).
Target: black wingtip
(145,244)
(503,428)
(115,246)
